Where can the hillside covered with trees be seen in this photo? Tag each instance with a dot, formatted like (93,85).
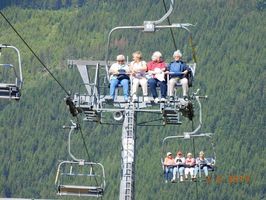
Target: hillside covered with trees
(229,38)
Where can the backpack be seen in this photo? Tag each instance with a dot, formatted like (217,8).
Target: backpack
(190,77)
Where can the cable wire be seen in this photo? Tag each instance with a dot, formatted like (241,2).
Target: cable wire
(86,148)
(171,30)
(194,152)
(36,56)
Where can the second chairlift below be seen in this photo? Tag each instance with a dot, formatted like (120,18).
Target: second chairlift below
(155,73)
(189,168)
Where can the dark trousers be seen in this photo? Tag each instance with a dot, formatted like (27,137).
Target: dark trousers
(153,82)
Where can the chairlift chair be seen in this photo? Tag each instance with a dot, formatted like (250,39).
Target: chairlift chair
(183,143)
(79,177)
(11,90)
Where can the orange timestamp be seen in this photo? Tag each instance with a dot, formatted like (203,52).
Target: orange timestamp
(230,179)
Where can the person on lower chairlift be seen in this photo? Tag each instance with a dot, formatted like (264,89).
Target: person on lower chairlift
(168,166)
(190,167)
(179,168)
(202,164)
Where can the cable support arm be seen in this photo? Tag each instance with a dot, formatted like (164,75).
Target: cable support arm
(166,14)
(72,127)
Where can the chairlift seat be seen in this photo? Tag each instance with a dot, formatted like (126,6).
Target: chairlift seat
(9,91)
(75,190)
(68,179)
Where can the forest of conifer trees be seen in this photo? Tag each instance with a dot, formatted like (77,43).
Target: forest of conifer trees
(229,38)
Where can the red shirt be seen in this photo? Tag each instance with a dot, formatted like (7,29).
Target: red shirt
(152,65)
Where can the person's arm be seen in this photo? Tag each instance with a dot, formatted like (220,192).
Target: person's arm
(150,68)
(143,66)
(113,70)
(186,68)
(163,67)
(165,162)
(127,69)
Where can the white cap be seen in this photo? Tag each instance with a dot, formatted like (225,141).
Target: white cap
(169,153)
(177,53)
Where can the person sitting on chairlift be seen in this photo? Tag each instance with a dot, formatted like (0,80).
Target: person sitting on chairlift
(168,166)
(138,70)
(156,68)
(177,71)
(119,74)
(190,167)
(202,164)
(179,169)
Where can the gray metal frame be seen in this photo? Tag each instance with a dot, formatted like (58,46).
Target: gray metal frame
(190,135)
(79,190)
(12,90)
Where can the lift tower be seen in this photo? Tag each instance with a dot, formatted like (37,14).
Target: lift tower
(95,103)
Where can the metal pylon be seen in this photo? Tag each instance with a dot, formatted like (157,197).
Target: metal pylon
(128,155)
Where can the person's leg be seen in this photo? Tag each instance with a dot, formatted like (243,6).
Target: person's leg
(166,171)
(205,169)
(196,171)
(163,88)
(191,171)
(171,88)
(152,83)
(186,172)
(181,173)
(135,84)
(174,173)
(125,84)
(144,86)
(113,85)
(184,83)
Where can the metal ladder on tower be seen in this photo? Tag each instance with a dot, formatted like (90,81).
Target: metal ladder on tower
(128,158)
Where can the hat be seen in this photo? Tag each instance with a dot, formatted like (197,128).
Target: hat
(189,154)
(179,153)
(169,153)
(177,53)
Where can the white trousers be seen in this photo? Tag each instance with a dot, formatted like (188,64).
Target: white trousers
(135,84)
(172,85)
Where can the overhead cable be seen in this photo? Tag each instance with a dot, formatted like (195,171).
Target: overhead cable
(38,58)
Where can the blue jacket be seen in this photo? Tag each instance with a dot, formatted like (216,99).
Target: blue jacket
(177,67)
